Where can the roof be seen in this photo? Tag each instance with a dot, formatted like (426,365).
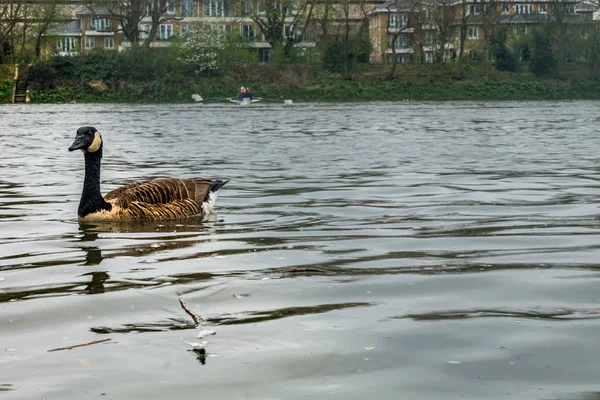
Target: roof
(101,11)
(394,6)
(585,6)
(70,28)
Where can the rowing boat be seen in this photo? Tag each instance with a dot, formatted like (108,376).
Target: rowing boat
(245,101)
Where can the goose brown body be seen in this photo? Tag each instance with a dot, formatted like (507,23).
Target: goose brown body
(158,199)
(165,198)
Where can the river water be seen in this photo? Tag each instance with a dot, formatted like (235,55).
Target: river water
(396,250)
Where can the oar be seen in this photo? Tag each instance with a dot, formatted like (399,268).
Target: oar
(198,99)
(277,100)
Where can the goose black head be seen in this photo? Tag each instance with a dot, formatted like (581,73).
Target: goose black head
(88,140)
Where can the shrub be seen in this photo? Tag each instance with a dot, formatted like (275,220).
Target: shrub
(542,56)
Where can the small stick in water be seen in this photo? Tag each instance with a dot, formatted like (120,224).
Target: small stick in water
(80,344)
(192,314)
(306,269)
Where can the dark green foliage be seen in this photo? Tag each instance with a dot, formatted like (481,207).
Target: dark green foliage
(338,54)
(543,61)
(506,60)
(6,91)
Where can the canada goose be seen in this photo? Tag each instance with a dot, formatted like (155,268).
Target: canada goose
(159,199)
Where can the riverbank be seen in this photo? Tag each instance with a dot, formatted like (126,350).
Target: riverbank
(334,90)
(412,82)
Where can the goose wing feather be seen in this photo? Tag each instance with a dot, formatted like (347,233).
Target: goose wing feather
(161,191)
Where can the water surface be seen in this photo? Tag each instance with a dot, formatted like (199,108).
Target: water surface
(397,250)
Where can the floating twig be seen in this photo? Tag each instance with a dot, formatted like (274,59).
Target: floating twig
(192,314)
(80,344)
(306,269)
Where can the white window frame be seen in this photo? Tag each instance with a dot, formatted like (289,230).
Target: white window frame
(90,42)
(505,8)
(544,10)
(429,57)
(170,7)
(524,9)
(473,32)
(144,31)
(166,31)
(187,8)
(100,24)
(66,44)
(215,8)
(109,42)
(402,41)
(397,20)
(250,29)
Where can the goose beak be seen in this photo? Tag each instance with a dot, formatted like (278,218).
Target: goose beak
(79,143)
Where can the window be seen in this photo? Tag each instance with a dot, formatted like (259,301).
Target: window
(473,9)
(397,20)
(149,9)
(287,32)
(144,30)
(109,43)
(246,7)
(505,8)
(216,8)
(402,42)
(65,44)
(428,39)
(473,32)
(224,31)
(170,7)
(429,57)
(248,31)
(524,9)
(187,8)
(542,9)
(400,58)
(99,24)
(90,42)
(187,31)
(166,31)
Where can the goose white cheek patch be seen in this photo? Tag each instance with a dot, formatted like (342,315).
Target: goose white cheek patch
(95,143)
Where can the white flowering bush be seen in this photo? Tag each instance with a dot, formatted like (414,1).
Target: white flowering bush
(202,47)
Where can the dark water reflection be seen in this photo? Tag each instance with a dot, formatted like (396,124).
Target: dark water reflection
(419,251)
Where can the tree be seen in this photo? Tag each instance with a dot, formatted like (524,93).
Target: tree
(273,16)
(130,13)
(542,55)
(562,12)
(401,16)
(505,58)
(11,13)
(48,14)
(464,19)
(491,16)
(440,14)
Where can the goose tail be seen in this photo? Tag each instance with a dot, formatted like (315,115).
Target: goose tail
(208,205)
(217,184)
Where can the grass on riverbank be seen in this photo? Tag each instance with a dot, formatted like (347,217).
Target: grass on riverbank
(306,83)
(6,81)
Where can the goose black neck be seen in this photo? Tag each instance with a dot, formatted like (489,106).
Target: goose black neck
(91,198)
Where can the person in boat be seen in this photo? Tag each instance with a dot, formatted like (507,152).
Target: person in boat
(241,93)
(247,94)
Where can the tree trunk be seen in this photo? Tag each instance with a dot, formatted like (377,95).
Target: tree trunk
(461,51)
(390,75)
(486,50)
